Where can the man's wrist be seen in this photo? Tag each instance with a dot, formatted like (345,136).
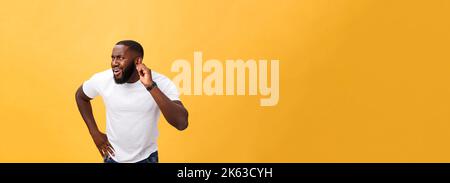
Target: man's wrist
(152,86)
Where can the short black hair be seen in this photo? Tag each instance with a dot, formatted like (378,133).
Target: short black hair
(133,45)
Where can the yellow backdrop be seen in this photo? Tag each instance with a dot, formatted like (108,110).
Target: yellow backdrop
(360,80)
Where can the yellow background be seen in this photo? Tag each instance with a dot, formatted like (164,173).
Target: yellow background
(360,80)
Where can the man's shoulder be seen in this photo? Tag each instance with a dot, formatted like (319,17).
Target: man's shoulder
(164,83)
(106,74)
(157,77)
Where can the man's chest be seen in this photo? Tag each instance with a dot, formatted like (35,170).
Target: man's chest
(129,100)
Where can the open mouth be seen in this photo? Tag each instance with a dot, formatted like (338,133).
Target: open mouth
(117,72)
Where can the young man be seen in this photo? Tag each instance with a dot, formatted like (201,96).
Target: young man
(133,96)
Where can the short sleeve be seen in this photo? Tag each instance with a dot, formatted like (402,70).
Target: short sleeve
(90,87)
(171,91)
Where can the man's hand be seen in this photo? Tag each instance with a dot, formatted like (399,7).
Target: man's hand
(145,75)
(102,143)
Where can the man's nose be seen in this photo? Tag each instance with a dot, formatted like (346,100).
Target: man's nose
(115,62)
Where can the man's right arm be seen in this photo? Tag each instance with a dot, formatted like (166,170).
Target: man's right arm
(85,108)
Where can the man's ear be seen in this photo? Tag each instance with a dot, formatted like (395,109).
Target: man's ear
(138,60)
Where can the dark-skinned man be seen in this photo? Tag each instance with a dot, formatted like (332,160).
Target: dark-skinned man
(133,96)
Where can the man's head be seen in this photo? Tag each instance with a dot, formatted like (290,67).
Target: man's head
(125,55)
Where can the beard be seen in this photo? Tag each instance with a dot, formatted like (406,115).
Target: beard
(126,74)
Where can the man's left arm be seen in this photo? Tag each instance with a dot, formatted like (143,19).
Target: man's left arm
(174,111)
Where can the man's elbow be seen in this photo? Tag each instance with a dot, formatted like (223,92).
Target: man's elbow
(182,124)
(183,121)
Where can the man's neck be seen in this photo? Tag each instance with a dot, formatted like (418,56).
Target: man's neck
(134,77)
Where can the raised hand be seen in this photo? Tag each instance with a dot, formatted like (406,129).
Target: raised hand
(145,74)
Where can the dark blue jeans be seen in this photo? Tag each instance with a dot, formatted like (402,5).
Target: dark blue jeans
(153,158)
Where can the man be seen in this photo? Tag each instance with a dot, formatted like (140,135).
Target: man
(133,96)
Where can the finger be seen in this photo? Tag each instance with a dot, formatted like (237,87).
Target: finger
(140,70)
(138,66)
(145,67)
(110,151)
(105,151)
(145,70)
(110,145)
(101,152)
(141,73)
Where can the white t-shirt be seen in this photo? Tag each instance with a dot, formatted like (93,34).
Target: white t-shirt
(131,113)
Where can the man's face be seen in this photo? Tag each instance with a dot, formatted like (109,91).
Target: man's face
(122,63)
